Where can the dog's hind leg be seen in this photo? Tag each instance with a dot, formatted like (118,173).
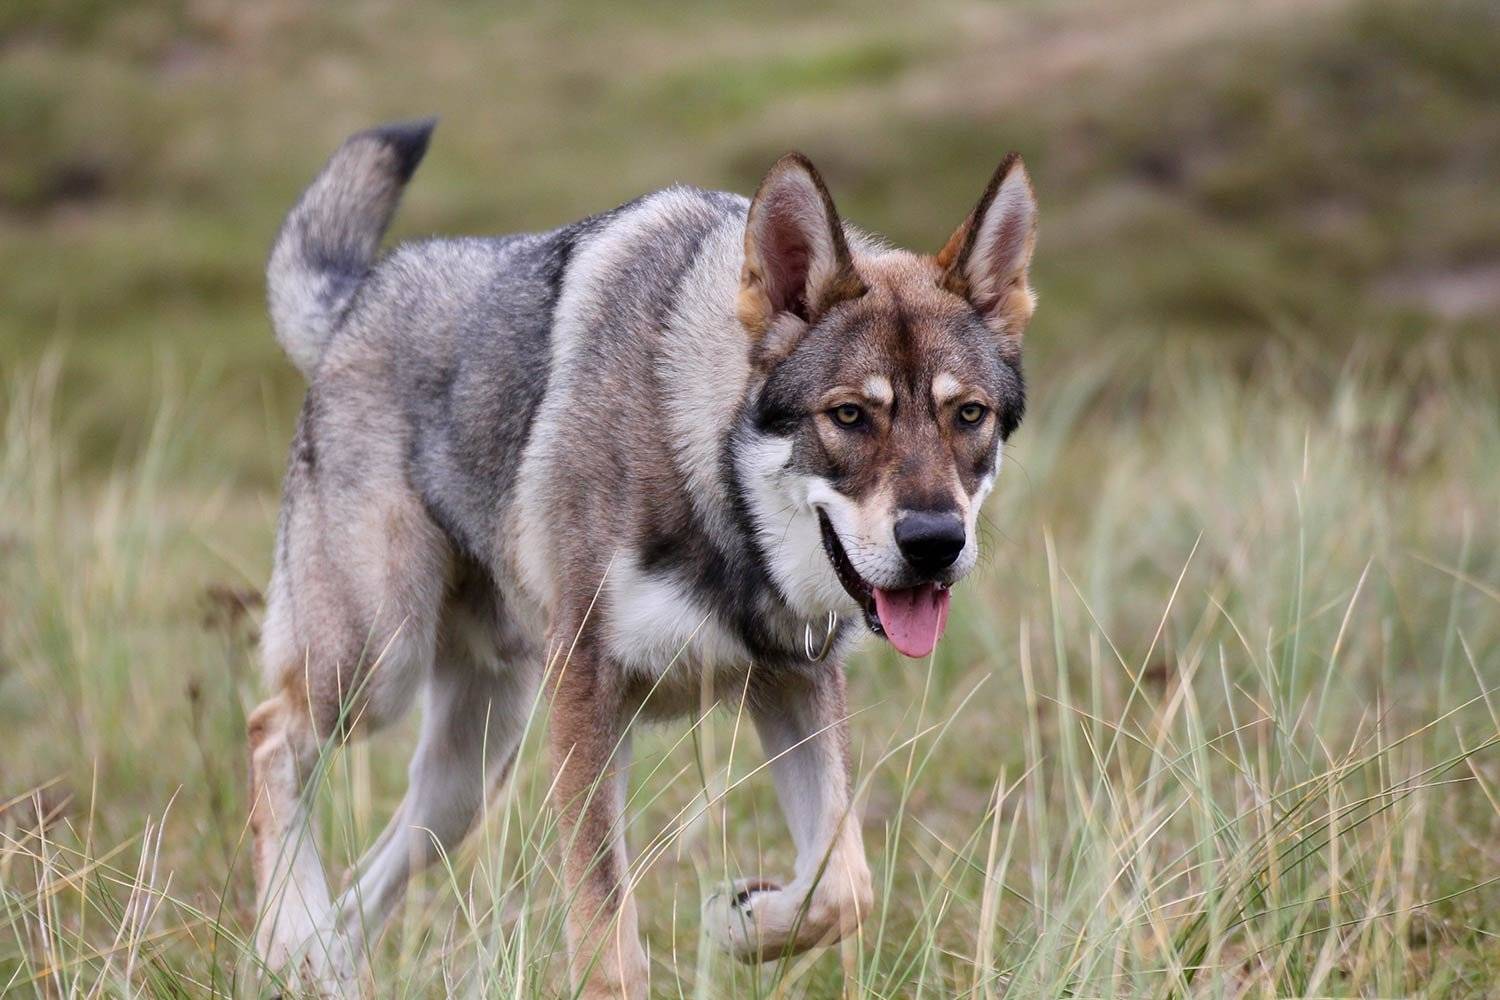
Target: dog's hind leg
(349,635)
(803,727)
(474,716)
(290,884)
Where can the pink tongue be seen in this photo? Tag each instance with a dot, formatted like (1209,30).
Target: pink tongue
(913,619)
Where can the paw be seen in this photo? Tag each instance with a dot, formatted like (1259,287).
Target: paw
(756,920)
(618,977)
(317,963)
(730,918)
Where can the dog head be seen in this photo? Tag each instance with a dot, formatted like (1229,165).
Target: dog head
(887,382)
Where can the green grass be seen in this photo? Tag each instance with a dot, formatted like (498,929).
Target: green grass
(1216,718)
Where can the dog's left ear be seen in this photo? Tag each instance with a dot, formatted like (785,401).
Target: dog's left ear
(797,262)
(987,258)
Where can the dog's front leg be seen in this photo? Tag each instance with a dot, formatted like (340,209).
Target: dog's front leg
(588,750)
(802,724)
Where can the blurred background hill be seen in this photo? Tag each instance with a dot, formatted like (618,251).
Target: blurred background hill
(1310,172)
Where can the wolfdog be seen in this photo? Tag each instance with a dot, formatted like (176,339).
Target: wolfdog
(696,443)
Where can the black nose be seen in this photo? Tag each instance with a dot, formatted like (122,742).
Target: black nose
(930,541)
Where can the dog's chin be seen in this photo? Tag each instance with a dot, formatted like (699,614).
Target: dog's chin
(911,618)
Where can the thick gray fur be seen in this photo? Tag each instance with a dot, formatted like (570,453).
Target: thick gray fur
(329,239)
(429,368)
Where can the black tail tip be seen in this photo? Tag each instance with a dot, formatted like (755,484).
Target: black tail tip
(408,140)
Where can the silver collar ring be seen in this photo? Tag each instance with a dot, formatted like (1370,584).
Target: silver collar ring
(807,638)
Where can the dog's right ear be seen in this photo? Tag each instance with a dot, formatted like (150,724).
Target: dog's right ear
(797,262)
(988,258)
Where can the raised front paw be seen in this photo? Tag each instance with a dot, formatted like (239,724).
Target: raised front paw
(730,917)
(757,920)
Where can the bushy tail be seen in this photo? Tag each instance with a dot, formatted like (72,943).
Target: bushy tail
(331,236)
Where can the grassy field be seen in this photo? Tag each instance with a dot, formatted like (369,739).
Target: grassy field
(1217,718)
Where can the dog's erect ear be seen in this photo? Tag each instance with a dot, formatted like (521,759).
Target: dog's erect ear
(987,258)
(797,262)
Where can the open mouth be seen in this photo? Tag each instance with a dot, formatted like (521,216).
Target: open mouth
(912,618)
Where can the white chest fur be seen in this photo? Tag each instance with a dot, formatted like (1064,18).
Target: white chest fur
(654,621)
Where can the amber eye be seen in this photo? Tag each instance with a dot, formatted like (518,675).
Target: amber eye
(848,415)
(971,413)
